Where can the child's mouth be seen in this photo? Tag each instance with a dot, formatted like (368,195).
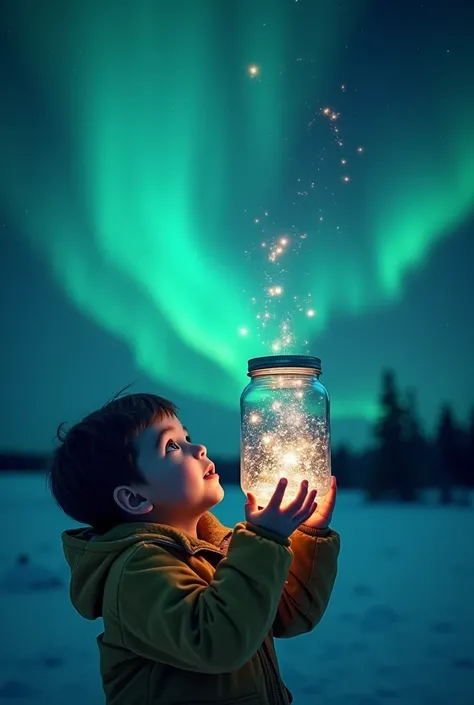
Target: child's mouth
(211,472)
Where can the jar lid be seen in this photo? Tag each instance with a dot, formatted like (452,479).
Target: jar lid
(260,363)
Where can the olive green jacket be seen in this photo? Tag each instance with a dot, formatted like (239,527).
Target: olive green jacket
(190,621)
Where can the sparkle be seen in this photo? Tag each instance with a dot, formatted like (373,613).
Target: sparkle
(293,443)
(274,318)
(253,71)
(275,291)
(290,458)
(243,331)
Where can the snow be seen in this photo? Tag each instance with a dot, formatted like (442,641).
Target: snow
(399,628)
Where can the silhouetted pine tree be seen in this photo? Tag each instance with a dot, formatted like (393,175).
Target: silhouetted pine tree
(342,466)
(383,476)
(466,470)
(413,475)
(448,454)
(470,451)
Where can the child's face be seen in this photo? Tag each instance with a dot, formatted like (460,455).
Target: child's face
(174,469)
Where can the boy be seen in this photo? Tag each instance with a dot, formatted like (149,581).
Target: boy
(189,606)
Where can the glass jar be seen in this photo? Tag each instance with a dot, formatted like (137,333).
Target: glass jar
(285,427)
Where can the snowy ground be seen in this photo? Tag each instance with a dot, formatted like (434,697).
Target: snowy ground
(399,629)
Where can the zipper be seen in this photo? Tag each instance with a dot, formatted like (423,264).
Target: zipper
(274,680)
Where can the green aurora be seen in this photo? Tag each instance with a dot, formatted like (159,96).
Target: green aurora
(161,151)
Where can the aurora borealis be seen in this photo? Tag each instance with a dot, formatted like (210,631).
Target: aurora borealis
(144,164)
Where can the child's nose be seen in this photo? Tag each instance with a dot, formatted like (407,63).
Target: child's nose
(201,451)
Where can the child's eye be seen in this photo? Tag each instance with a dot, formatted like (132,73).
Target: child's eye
(170,444)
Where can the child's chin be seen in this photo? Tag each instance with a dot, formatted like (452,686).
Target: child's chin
(217,496)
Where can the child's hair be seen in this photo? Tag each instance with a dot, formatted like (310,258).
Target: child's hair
(98,453)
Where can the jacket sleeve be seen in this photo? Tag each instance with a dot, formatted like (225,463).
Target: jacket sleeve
(167,613)
(309,583)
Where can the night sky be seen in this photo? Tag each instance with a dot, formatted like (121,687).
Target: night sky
(186,184)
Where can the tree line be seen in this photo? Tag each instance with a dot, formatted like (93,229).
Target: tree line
(403,460)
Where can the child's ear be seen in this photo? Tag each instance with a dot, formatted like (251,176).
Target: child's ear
(137,499)
(131,501)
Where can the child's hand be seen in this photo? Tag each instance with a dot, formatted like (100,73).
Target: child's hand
(274,518)
(322,516)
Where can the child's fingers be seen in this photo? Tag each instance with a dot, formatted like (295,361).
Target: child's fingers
(306,509)
(330,499)
(251,500)
(300,499)
(277,497)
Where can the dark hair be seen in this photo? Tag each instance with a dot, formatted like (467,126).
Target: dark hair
(98,453)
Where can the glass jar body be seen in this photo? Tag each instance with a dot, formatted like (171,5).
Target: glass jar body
(285,432)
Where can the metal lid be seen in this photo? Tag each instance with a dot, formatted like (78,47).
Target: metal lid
(260,363)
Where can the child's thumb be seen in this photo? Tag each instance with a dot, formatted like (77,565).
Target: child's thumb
(251,502)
